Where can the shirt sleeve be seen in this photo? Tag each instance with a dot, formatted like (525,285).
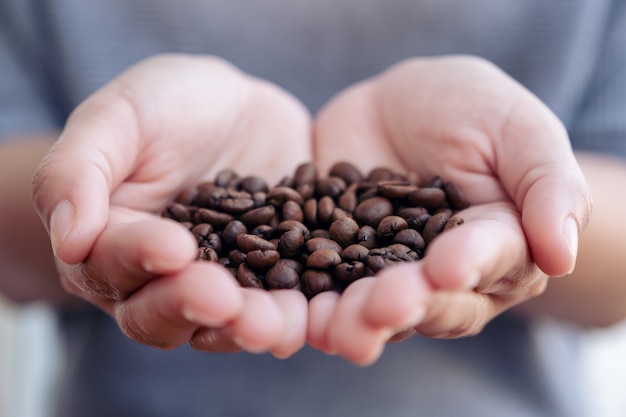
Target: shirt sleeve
(24,107)
(600,123)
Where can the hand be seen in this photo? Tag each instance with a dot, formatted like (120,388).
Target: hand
(465,120)
(166,124)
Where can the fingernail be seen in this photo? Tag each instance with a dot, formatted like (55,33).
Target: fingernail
(570,232)
(61,223)
(199,318)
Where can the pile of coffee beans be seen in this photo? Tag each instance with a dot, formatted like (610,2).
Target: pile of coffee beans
(312,233)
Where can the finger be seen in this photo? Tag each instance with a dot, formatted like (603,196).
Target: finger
(293,305)
(321,308)
(261,323)
(486,252)
(131,251)
(349,334)
(166,312)
(546,183)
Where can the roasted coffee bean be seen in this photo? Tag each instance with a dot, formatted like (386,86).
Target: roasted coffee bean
(315,282)
(391,225)
(236,202)
(287,225)
(416,217)
(346,171)
(178,212)
(187,197)
(290,243)
(344,231)
(262,259)
(323,259)
(236,258)
(248,242)
(380,174)
(455,197)
(367,237)
(207,254)
(213,217)
(257,216)
(348,200)
(278,195)
(320,233)
(306,173)
(339,213)
(454,221)
(380,258)
(325,207)
(434,182)
(292,211)
(367,194)
(213,241)
(316,243)
(411,238)
(348,272)
(429,198)
(282,276)
(393,190)
(263,230)
(259,198)
(253,184)
(201,232)
(331,186)
(435,226)
(233,229)
(306,191)
(309,212)
(373,210)
(248,278)
(226,178)
(354,252)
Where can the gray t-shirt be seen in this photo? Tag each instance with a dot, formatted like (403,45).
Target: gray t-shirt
(571,53)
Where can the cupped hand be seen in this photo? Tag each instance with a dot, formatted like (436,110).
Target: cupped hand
(159,128)
(464,119)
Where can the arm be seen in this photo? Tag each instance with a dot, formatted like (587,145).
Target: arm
(26,261)
(593,295)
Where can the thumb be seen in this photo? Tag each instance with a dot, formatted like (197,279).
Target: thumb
(546,184)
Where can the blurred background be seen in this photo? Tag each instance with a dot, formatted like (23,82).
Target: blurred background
(30,361)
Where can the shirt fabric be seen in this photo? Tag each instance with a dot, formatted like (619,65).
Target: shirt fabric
(571,53)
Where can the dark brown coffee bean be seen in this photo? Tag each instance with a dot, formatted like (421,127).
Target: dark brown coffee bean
(315,282)
(373,210)
(248,278)
(309,212)
(178,212)
(233,229)
(402,253)
(380,174)
(187,197)
(435,226)
(354,252)
(201,232)
(226,178)
(454,221)
(429,198)
(263,230)
(306,191)
(282,276)
(257,216)
(213,217)
(290,243)
(320,233)
(236,202)
(236,258)
(348,200)
(209,195)
(323,259)
(339,213)
(394,190)
(278,195)
(262,259)
(292,211)
(316,243)
(346,171)
(306,173)
(367,194)
(253,184)
(379,258)
(367,237)
(287,225)
(391,225)
(249,242)
(325,207)
(331,186)
(207,254)
(434,182)
(344,231)
(259,198)
(416,217)
(455,197)
(410,238)
(213,241)
(348,272)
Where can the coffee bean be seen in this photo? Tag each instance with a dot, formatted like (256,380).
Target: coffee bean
(348,272)
(391,225)
(435,226)
(236,202)
(348,200)
(411,238)
(331,186)
(213,217)
(287,225)
(201,232)
(292,211)
(315,282)
(320,233)
(262,259)
(416,217)
(429,198)
(346,171)
(306,191)
(455,197)
(380,174)
(434,182)
(394,190)
(248,278)
(354,252)
(344,231)
(207,254)
(316,243)
(253,184)
(309,212)
(373,210)
(282,276)
(257,216)
(325,207)
(323,259)
(236,258)
(226,178)
(178,212)
(306,173)
(263,230)
(453,222)
(278,195)
(290,243)
(249,242)
(367,236)
(233,229)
